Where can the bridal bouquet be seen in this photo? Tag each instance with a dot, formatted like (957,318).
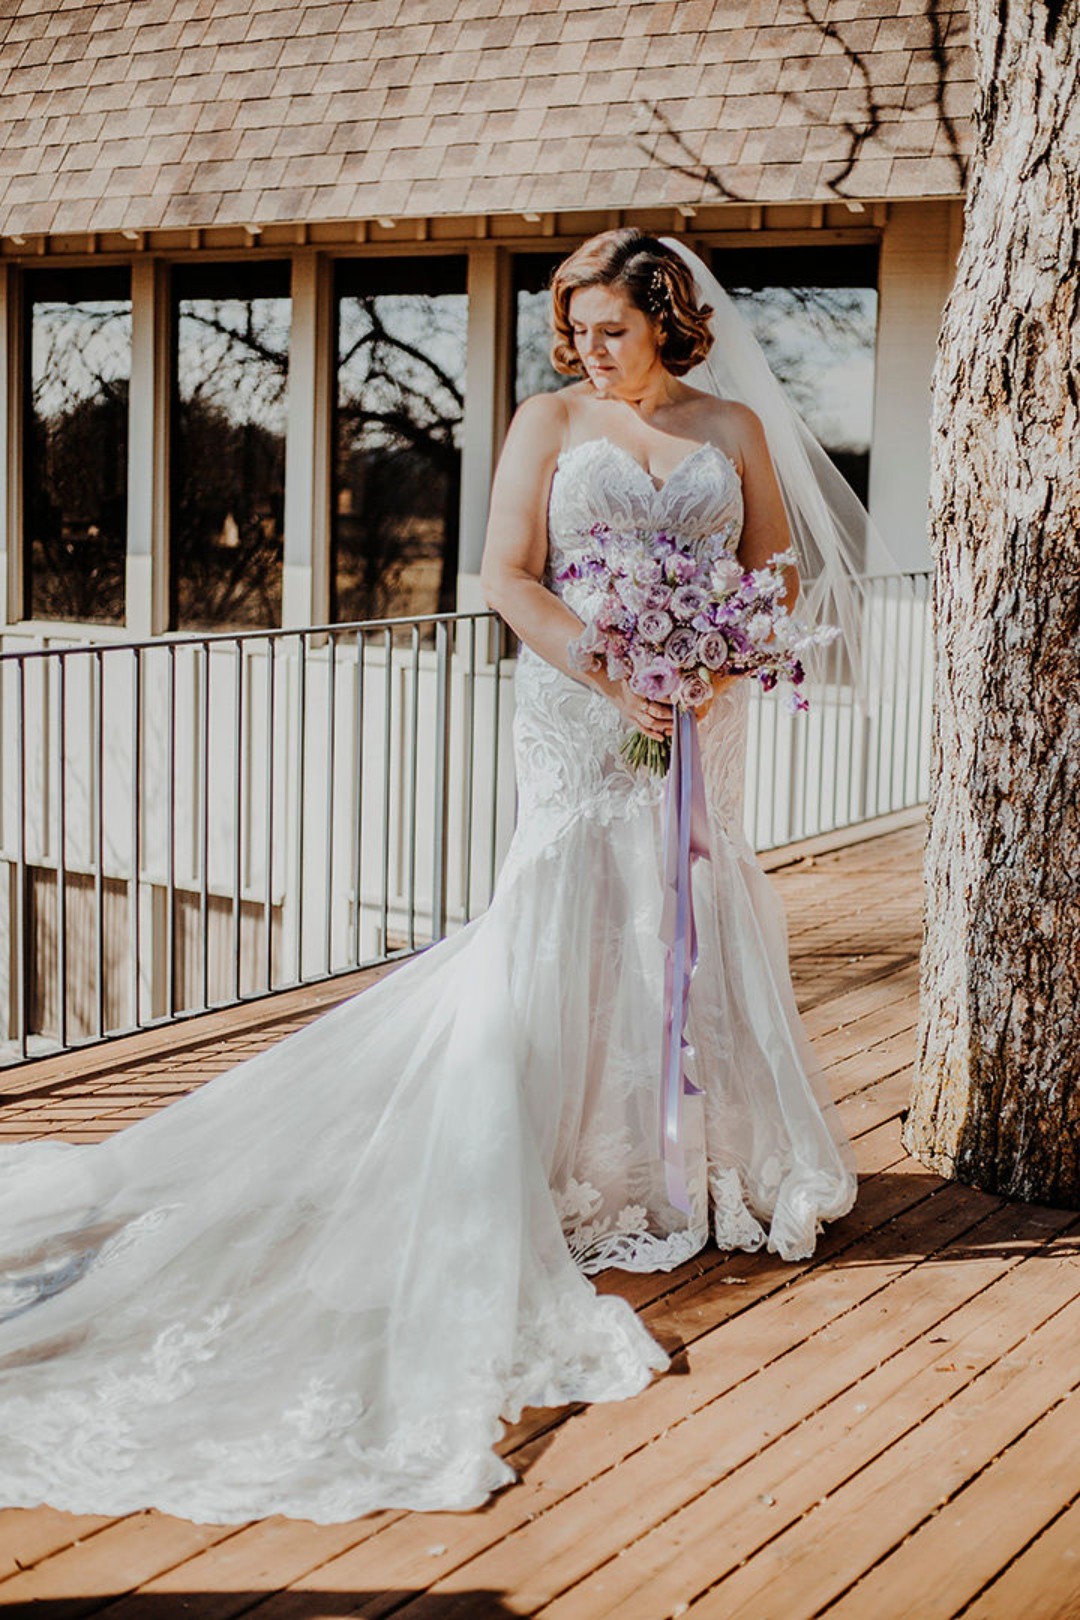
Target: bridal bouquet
(670,621)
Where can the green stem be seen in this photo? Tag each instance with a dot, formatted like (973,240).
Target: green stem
(648,753)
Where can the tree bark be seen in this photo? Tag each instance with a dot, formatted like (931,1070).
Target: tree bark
(996,1101)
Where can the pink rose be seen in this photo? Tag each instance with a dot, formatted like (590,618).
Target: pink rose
(654,625)
(713,650)
(694,690)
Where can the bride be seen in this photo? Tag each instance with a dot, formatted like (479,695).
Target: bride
(321,1284)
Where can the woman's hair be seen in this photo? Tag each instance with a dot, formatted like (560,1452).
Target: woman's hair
(657,281)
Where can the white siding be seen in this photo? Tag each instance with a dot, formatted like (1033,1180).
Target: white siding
(918,262)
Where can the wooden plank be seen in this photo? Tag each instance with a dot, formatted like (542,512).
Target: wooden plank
(832,979)
(949,1559)
(744,1505)
(861,1069)
(30,1535)
(900,983)
(219,1581)
(886,1019)
(807,1567)
(1043,1583)
(118,1559)
(563,1515)
(876,1112)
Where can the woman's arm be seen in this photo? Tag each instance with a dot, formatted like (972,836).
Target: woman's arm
(765,528)
(516,543)
(515,554)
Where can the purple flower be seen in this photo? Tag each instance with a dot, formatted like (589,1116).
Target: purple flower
(633,596)
(654,625)
(658,596)
(694,690)
(681,567)
(587,650)
(713,649)
(687,601)
(682,647)
(656,680)
(646,571)
(613,615)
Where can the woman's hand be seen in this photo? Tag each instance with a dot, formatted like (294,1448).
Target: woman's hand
(655,717)
(652,716)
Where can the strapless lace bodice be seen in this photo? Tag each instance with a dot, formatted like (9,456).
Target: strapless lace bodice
(598,480)
(566,733)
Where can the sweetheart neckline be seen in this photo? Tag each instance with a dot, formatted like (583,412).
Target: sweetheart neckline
(657,489)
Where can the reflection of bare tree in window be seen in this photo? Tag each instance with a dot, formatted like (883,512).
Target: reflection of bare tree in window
(829,318)
(76,461)
(228,474)
(400,412)
(534,373)
(820,342)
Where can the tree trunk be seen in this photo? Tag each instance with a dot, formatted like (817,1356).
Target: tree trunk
(996,1102)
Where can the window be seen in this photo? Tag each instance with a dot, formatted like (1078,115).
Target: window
(227,485)
(814,312)
(400,405)
(533,371)
(77,366)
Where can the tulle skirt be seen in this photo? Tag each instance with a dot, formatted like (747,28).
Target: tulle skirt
(321,1284)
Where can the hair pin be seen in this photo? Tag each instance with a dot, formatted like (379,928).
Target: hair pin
(658,288)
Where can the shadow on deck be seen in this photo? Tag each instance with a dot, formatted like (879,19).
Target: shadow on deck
(882,1432)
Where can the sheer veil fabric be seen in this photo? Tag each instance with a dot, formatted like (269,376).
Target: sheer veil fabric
(840,549)
(324,1282)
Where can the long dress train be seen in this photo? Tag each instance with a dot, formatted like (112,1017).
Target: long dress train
(322,1283)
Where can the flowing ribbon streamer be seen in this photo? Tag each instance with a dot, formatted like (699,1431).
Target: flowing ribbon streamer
(686,836)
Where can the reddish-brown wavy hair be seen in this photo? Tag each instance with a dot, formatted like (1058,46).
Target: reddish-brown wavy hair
(656,280)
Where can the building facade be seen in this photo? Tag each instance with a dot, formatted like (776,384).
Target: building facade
(272,274)
(273,278)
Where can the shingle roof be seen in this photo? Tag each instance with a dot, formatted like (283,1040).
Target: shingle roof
(208,112)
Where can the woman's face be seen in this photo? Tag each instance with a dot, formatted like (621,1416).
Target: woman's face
(618,343)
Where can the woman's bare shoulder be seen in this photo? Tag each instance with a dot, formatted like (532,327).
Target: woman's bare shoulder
(732,425)
(548,408)
(539,427)
(725,415)
(534,437)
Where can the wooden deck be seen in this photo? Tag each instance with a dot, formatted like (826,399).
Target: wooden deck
(884,1432)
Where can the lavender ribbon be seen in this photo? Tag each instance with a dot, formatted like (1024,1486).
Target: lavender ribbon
(686,836)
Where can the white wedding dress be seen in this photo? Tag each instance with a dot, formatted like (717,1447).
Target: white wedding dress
(319,1285)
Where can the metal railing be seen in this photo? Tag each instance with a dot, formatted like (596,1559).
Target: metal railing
(195,821)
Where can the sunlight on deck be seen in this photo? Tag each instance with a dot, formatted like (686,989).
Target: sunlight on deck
(880,1433)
